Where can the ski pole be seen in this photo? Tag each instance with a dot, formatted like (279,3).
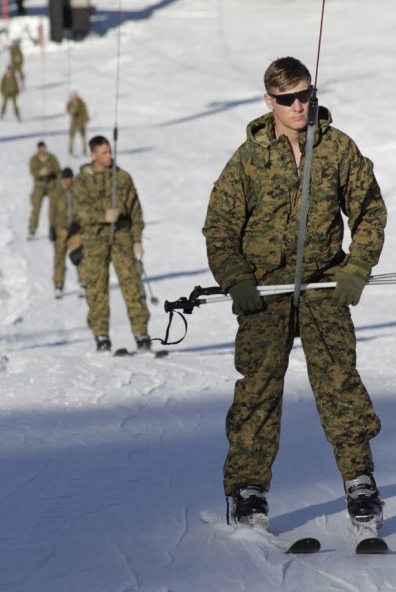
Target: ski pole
(153,299)
(215,294)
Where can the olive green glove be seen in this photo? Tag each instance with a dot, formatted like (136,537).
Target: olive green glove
(351,280)
(245,297)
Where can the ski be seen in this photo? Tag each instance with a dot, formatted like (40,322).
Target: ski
(123,352)
(304,546)
(368,540)
(372,546)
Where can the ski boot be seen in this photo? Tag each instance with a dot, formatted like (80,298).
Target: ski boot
(143,344)
(58,292)
(249,506)
(103,343)
(363,502)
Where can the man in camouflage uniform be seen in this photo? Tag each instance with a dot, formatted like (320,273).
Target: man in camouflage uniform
(17,61)
(45,170)
(63,220)
(78,120)
(10,90)
(111,233)
(251,231)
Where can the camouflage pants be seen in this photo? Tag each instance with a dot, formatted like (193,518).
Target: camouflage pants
(60,252)
(263,344)
(72,132)
(97,258)
(41,190)
(14,103)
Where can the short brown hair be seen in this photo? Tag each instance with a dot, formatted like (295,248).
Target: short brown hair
(97,141)
(284,73)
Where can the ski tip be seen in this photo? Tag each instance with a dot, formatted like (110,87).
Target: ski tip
(122,351)
(372,546)
(306,545)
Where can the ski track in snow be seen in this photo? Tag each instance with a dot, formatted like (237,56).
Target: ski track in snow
(106,463)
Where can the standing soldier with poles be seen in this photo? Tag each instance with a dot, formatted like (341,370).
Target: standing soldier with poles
(45,170)
(63,221)
(111,233)
(251,232)
(10,90)
(78,120)
(17,60)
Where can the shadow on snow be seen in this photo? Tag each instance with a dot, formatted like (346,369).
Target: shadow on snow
(213,108)
(103,20)
(78,483)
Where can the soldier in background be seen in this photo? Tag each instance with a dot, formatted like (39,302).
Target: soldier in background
(21,8)
(111,233)
(10,90)
(45,170)
(16,57)
(63,221)
(78,120)
(251,231)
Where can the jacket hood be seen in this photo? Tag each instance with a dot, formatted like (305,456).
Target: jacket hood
(262,130)
(88,169)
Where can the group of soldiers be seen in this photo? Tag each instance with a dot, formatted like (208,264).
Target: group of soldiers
(97,226)
(87,218)
(13,80)
(251,232)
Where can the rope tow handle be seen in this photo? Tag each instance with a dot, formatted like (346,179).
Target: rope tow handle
(115,130)
(312,121)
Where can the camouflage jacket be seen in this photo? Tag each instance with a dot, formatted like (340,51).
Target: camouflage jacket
(63,208)
(251,227)
(92,193)
(50,163)
(9,86)
(78,111)
(16,56)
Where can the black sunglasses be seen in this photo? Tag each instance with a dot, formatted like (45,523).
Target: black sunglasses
(288,99)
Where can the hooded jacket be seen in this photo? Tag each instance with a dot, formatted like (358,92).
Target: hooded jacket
(92,195)
(78,111)
(251,227)
(53,169)
(9,86)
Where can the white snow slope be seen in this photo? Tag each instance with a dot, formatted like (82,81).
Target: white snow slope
(106,463)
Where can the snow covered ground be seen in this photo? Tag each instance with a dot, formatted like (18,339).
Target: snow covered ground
(106,463)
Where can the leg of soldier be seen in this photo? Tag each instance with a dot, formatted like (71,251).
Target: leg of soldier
(36,199)
(83,139)
(16,109)
(72,133)
(262,349)
(59,261)
(81,272)
(97,261)
(4,105)
(344,406)
(52,206)
(129,279)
